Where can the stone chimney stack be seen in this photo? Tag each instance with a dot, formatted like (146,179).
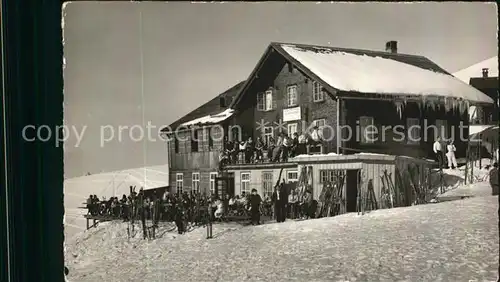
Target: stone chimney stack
(485,72)
(391,46)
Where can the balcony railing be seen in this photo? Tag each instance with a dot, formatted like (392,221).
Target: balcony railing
(242,159)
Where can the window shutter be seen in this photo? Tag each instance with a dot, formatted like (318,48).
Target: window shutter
(285,101)
(260,101)
(275,106)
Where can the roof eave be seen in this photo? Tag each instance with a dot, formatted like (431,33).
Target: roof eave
(408,97)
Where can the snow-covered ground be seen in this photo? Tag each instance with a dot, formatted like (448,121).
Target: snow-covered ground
(449,241)
(78,189)
(455,178)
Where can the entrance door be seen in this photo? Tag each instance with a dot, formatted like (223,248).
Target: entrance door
(352,189)
(224,186)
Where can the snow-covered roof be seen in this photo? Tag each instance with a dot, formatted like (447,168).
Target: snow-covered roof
(346,71)
(476,70)
(487,132)
(474,129)
(210,119)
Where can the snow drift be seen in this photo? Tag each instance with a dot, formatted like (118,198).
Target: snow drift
(78,189)
(451,241)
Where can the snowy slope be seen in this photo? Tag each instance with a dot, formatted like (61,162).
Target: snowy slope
(451,241)
(476,70)
(368,74)
(78,189)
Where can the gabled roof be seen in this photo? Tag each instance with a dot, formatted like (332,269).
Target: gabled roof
(395,75)
(484,83)
(476,70)
(211,107)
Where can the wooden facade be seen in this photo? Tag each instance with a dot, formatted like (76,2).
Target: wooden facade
(392,135)
(361,170)
(262,177)
(263,107)
(276,73)
(194,151)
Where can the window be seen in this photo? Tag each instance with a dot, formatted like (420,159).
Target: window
(319,123)
(292,176)
(269,100)
(292,128)
(261,102)
(267,183)
(268,133)
(194,141)
(210,139)
(265,101)
(291,95)
(474,116)
(413,129)
(327,175)
(176,144)
(245,182)
(368,130)
(213,175)
(179,182)
(441,130)
(216,133)
(196,182)
(318,93)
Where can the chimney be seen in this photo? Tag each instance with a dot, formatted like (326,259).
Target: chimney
(391,46)
(485,72)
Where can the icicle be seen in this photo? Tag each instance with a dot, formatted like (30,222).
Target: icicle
(399,108)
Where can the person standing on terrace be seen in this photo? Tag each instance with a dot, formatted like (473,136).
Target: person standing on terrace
(285,148)
(302,144)
(315,139)
(278,149)
(436,147)
(270,149)
(295,145)
(259,146)
(249,149)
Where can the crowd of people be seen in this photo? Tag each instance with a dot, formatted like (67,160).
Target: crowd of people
(195,209)
(278,150)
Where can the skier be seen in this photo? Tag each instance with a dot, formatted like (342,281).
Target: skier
(180,218)
(494,179)
(452,160)
(255,201)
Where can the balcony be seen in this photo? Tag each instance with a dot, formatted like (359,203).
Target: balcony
(239,161)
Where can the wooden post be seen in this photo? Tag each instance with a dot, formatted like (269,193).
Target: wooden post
(337,126)
(471,180)
(467,157)
(479,150)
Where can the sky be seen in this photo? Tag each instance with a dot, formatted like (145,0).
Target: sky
(127,64)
